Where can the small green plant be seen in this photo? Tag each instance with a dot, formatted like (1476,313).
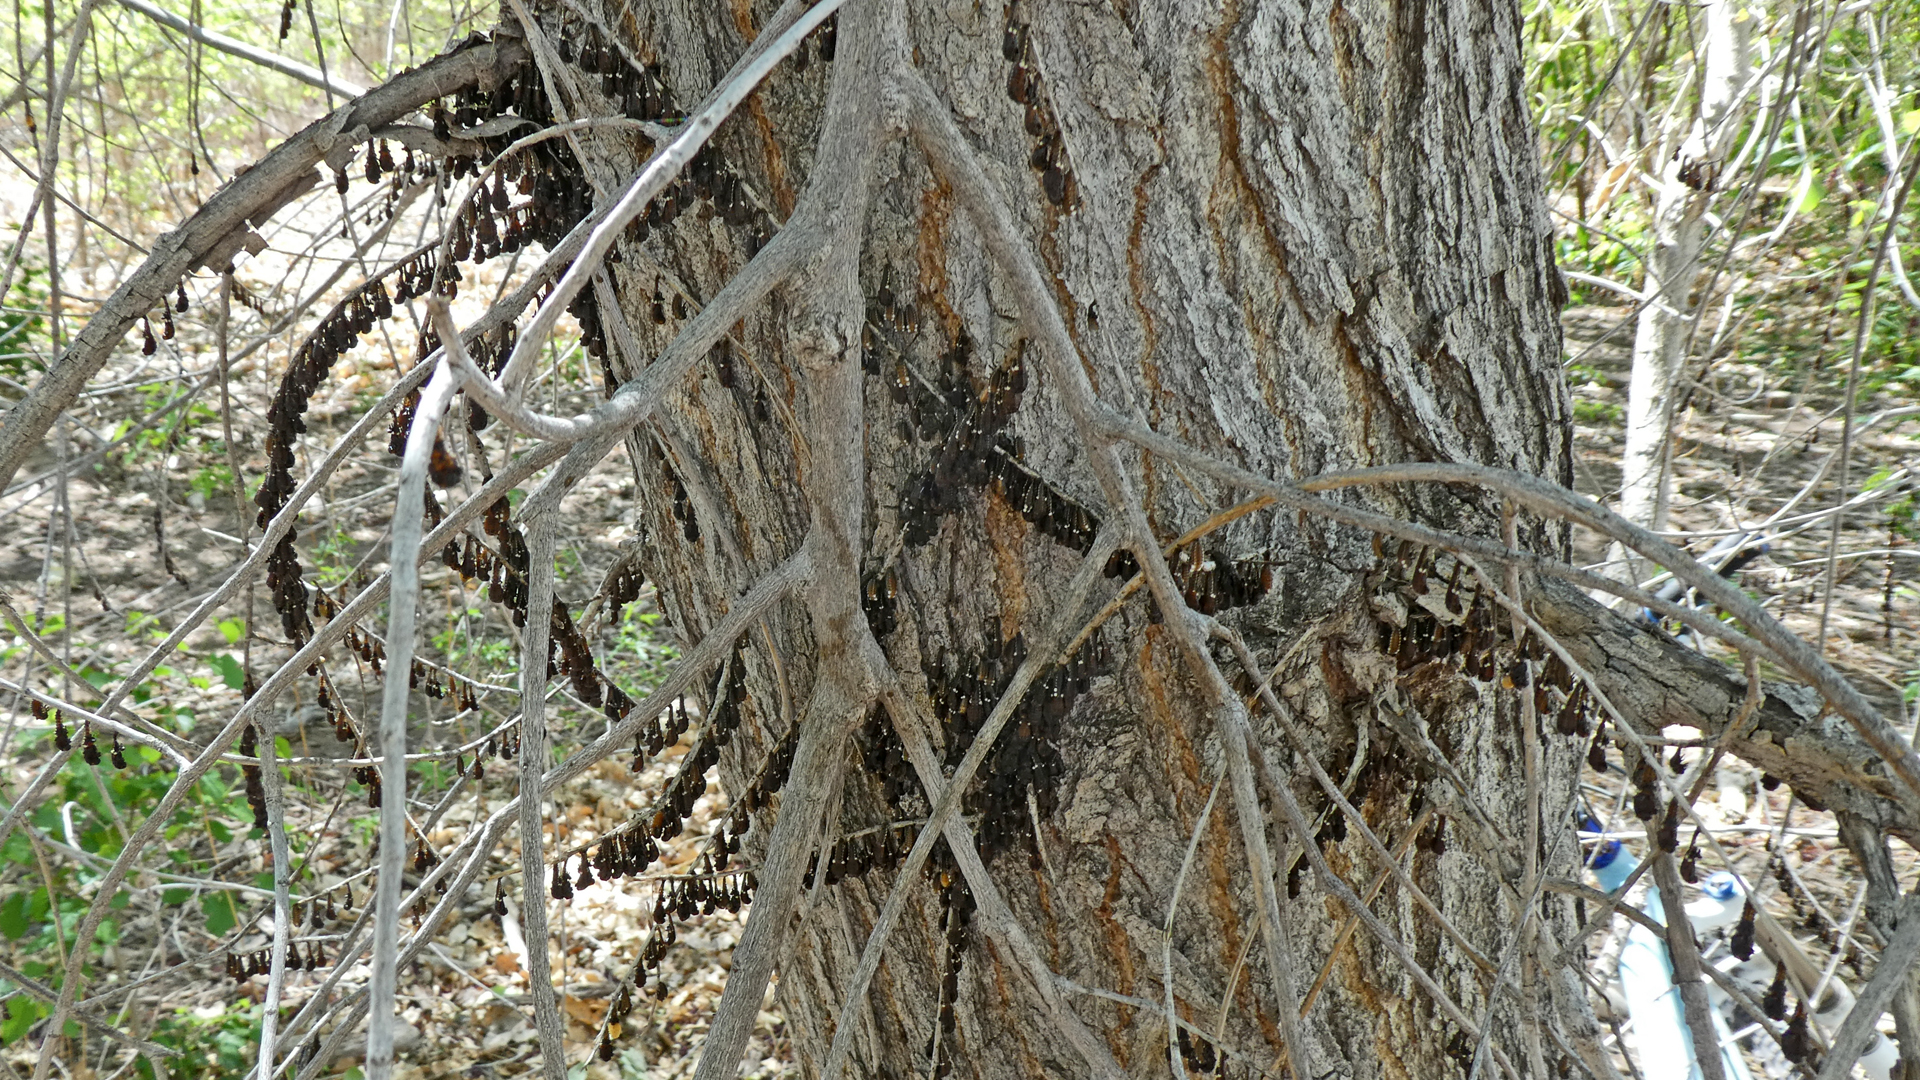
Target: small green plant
(211,481)
(21,325)
(1589,411)
(216,1042)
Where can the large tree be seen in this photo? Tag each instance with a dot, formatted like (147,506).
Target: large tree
(1131,437)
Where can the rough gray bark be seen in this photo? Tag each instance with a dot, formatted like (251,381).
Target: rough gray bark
(1297,240)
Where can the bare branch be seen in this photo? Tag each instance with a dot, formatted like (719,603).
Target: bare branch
(534,757)
(87,1016)
(272,61)
(403,596)
(648,184)
(282,911)
(992,907)
(946,802)
(248,198)
(1166,949)
(1684,951)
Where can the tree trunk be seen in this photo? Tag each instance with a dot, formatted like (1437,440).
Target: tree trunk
(1304,241)
(1665,323)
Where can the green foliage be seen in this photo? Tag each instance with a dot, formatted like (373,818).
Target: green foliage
(219,1042)
(1799,187)
(229,670)
(637,657)
(22,327)
(1589,411)
(222,910)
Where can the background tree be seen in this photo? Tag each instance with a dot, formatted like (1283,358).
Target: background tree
(1108,472)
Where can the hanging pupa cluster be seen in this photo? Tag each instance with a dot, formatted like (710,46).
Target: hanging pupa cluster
(1028,90)
(371,651)
(575,657)
(1774,1003)
(326,696)
(878,600)
(622,586)
(585,309)
(439,683)
(890,324)
(367,776)
(685,897)
(63,741)
(703,892)
(689,782)
(640,93)
(148,346)
(883,756)
(1026,758)
(489,352)
(1200,1055)
(956,918)
(766,782)
(1052,513)
(974,450)
(1211,582)
(623,853)
(339,332)
(261,963)
(442,467)
(638,90)
(420,276)
(1805,908)
(1474,635)
(966,459)
(883,847)
(682,502)
(490,222)
(255,789)
(508,583)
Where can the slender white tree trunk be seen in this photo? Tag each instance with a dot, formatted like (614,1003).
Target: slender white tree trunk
(1679,235)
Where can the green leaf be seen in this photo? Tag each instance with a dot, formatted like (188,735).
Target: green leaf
(13,916)
(229,670)
(233,630)
(221,912)
(22,1013)
(1809,194)
(174,897)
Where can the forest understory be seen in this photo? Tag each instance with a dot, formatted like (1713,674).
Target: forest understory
(141,504)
